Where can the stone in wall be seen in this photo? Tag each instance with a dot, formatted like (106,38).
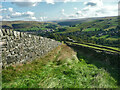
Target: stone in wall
(20,47)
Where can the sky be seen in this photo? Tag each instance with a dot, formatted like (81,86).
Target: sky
(49,10)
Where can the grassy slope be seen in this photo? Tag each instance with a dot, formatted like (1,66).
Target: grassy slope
(9,23)
(62,67)
(75,21)
(104,24)
(35,25)
(94,24)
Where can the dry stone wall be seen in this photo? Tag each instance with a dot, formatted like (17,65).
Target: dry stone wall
(19,47)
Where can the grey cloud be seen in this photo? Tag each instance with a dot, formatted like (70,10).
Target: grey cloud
(27,14)
(91,4)
(25,4)
(18,15)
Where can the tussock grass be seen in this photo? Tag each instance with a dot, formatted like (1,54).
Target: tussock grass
(61,68)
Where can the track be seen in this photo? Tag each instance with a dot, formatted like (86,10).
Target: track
(103,47)
(95,47)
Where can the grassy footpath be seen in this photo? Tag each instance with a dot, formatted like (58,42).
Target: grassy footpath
(112,48)
(97,47)
(61,68)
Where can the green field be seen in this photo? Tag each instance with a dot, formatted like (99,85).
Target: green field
(90,29)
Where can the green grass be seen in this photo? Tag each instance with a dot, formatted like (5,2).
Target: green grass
(69,30)
(0,80)
(113,27)
(93,47)
(90,29)
(103,36)
(118,49)
(75,75)
(113,39)
(63,70)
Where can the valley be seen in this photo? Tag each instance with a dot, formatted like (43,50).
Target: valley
(88,56)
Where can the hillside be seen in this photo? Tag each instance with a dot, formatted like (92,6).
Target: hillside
(102,31)
(71,22)
(64,67)
(28,25)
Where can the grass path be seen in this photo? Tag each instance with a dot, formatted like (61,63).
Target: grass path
(97,47)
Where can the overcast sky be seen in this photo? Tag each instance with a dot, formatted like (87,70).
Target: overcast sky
(45,10)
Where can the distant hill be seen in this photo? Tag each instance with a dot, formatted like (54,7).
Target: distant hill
(78,21)
(23,24)
(69,22)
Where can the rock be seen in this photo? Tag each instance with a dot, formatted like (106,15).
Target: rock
(19,47)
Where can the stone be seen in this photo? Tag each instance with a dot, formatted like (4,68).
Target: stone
(20,47)
(1,34)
